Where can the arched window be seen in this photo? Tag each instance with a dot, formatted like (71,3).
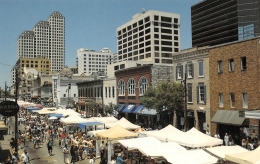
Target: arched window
(121,87)
(143,84)
(131,87)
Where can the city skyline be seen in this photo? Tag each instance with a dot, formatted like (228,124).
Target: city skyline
(88,24)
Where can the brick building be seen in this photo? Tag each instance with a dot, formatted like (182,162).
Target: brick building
(131,85)
(234,87)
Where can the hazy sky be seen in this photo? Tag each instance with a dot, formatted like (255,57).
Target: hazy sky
(88,23)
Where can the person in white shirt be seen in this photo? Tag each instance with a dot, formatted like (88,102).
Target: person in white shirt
(25,158)
(208,133)
(216,135)
(226,138)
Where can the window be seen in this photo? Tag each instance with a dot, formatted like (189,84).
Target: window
(143,84)
(201,94)
(131,86)
(221,100)
(64,95)
(179,72)
(243,63)
(106,92)
(232,100)
(201,70)
(231,64)
(189,70)
(109,92)
(220,70)
(244,97)
(113,92)
(121,87)
(189,93)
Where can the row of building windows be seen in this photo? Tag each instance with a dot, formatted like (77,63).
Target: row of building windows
(110,92)
(189,70)
(201,93)
(232,100)
(131,86)
(231,65)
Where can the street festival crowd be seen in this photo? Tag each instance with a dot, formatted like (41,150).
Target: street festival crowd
(76,145)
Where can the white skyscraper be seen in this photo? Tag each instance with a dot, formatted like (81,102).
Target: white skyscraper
(89,61)
(150,36)
(47,39)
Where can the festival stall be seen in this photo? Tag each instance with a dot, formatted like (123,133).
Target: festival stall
(45,111)
(198,156)
(31,109)
(56,115)
(115,132)
(73,119)
(194,139)
(249,157)
(124,123)
(84,125)
(52,118)
(149,147)
(221,151)
(169,133)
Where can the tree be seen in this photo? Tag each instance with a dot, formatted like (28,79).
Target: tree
(110,107)
(165,96)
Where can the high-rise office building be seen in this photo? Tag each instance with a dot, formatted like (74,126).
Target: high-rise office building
(90,61)
(47,39)
(220,21)
(150,36)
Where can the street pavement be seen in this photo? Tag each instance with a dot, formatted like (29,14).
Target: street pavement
(39,155)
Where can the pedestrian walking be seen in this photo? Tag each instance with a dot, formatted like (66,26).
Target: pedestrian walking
(25,158)
(15,158)
(72,153)
(226,139)
(50,146)
(66,154)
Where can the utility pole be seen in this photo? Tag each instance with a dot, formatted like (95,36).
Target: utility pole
(184,81)
(5,90)
(17,81)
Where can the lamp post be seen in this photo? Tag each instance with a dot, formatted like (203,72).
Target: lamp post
(184,82)
(17,81)
(69,87)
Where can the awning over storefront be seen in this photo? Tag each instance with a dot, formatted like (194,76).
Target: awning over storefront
(121,106)
(128,108)
(252,114)
(137,109)
(146,111)
(228,117)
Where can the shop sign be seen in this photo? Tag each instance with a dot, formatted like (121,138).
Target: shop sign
(9,108)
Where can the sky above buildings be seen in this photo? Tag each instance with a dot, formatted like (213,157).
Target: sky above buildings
(88,24)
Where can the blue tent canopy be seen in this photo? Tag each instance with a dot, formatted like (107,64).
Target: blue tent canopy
(31,109)
(56,115)
(84,124)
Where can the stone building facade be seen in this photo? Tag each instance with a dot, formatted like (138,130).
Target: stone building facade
(234,86)
(194,63)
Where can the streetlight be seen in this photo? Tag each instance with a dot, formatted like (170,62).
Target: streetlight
(68,90)
(184,82)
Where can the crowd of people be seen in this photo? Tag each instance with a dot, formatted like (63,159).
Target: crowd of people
(38,130)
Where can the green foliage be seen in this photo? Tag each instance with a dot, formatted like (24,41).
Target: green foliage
(110,107)
(165,95)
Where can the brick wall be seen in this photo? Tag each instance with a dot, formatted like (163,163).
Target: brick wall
(238,81)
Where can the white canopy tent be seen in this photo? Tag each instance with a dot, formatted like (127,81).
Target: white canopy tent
(124,123)
(105,119)
(45,111)
(53,118)
(136,143)
(169,133)
(198,156)
(249,157)
(194,138)
(73,119)
(221,151)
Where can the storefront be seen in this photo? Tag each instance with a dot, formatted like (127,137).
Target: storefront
(229,122)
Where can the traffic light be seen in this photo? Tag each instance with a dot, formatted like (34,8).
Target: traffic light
(69,86)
